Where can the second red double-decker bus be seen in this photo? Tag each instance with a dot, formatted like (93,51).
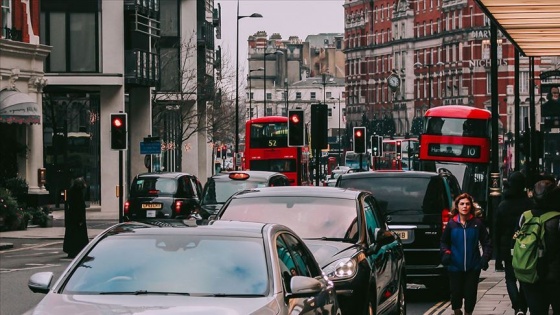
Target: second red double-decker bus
(458,138)
(266,149)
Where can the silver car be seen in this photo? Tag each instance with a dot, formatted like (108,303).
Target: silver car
(178,267)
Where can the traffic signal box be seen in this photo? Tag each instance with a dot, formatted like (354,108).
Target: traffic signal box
(296,128)
(359,139)
(376,145)
(119,138)
(319,129)
(399,149)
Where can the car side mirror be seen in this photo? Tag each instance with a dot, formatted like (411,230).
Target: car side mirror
(40,282)
(304,287)
(381,238)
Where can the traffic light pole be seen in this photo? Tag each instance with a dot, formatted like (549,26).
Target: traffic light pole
(317,166)
(121,198)
(361,157)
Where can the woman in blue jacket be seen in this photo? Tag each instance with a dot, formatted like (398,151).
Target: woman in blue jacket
(461,254)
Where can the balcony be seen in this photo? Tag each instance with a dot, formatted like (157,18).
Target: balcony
(206,35)
(149,8)
(141,68)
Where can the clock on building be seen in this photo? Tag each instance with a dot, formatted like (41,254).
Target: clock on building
(393,81)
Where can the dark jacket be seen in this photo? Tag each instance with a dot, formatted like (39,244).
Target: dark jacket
(507,215)
(463,242)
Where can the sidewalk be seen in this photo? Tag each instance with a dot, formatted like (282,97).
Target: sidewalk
(57,232)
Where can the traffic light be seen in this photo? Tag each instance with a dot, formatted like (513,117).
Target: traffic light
(399,149)
(296,128)
(376,145)
(119,137)
(359,139)
(319,129)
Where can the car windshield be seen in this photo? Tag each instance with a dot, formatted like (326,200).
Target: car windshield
(219,191)
(397,194)
(309,217)
(174,264)
(157,185)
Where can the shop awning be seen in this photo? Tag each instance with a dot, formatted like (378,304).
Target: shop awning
(18,108)
(533,26)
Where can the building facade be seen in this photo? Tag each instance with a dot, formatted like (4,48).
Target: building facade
(440,51)
(21,84)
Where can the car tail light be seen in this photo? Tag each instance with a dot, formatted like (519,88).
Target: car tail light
(126,207)
(444,218)
(178,205)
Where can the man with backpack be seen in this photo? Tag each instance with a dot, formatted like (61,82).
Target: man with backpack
(536,251)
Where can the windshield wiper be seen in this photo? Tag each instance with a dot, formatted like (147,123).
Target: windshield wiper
(143,292)
(336,239)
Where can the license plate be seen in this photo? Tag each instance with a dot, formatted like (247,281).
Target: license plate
(151,206)
(151,214)
(402,234)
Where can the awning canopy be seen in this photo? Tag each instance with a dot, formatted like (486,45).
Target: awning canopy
(18,108)
(533,26)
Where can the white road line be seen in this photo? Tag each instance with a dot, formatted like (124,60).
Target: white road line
(30,268)
(30,247)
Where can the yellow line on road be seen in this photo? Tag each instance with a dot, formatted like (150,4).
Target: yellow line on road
(437,307)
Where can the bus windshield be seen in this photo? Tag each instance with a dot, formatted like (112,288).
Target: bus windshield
(457,127)
(269,135)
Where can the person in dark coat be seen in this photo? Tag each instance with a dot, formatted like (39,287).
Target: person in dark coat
(545,293)
(509,210)
(462,237)
(75,234)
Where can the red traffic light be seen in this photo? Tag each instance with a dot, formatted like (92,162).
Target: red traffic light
(295,118)
(117,122)
(359,133)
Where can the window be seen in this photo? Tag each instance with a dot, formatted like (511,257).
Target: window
(6,16)
(372,222)
(524,81)
(74,35)
(304,261)
(313,95)
(269,96)
(330,112)
(329,94)
(298,95)
(488,83)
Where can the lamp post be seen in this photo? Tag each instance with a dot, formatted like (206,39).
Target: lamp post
(277,52)
(239,17)
(339,137)
(286,94)
(250,96)
(429,66)
(324,83)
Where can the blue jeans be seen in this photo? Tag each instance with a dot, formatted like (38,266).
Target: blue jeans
(515,292)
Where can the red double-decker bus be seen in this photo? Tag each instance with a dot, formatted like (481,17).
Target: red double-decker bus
(266,149)
(458,138)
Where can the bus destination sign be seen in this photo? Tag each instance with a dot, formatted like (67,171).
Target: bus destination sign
(454,150)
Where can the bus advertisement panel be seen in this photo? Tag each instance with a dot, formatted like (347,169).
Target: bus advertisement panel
(266,149)
(458,138)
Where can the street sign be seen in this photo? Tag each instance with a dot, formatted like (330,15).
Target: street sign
(153,147)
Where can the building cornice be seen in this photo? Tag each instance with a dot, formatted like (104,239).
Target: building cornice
(20,49)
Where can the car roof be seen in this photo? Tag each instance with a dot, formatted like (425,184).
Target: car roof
(190,227)
(401,174)
(164,174)
(253,175)
(299,191)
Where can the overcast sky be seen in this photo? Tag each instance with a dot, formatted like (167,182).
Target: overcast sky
(287,17)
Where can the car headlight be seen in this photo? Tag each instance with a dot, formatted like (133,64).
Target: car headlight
(341,269)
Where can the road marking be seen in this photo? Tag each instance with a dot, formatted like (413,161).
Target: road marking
(30,268)
(437,308)
(30,247)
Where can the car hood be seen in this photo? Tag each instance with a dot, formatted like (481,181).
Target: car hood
(326,252)
(62,304)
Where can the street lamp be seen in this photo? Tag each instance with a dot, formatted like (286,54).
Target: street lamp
(277,52)
(286,94)
(324,83)
(339,137)
(239,17)
(250,96)
(429,66)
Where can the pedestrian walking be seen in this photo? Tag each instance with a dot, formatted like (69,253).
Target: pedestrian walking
(75,234)
(545,291)
(509,210)
(460,252)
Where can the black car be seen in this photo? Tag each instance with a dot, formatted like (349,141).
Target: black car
(163,196)
(347,235)
(416,205)
(220,187)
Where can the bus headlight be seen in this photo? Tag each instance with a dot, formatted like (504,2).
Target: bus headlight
(341,269)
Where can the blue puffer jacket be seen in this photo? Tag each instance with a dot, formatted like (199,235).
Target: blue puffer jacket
(463,240)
